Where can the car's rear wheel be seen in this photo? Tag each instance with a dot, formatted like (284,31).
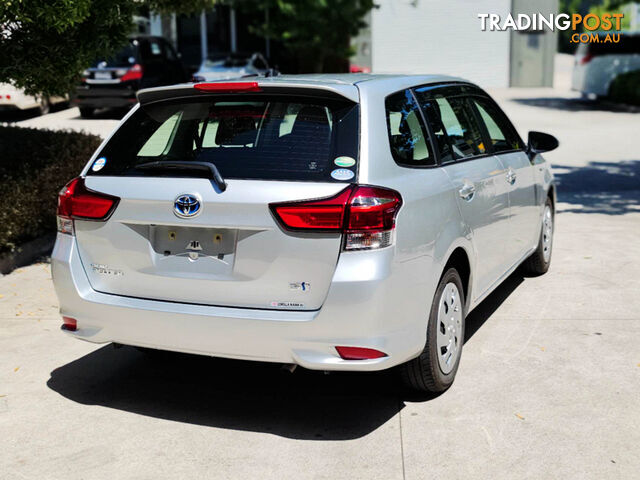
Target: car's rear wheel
(44,106)
(86,112)
(539,261)
(435,368)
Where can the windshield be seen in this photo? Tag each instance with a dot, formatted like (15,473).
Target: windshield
(262,137)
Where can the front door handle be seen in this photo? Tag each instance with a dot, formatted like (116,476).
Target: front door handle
(467,191)
(511,176)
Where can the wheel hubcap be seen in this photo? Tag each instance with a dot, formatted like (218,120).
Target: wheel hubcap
(547,233)
(449,336)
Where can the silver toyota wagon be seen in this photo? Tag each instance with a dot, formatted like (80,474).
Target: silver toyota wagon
(336,222)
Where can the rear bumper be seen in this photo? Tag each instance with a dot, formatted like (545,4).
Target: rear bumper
(357,312)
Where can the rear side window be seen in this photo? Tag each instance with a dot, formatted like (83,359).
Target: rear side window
(453,124)
(262,137)
(407,136)
(501,133)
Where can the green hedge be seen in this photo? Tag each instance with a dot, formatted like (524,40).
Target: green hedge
(626,88)
(34,166)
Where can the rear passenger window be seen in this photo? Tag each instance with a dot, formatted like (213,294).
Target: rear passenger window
(502,134)
(407,135)
(453,124)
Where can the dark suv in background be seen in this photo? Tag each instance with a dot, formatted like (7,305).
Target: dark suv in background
(145,62)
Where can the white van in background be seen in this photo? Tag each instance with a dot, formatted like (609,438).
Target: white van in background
(597,64)
(14,99)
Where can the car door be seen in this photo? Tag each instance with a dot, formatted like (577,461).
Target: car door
(524,214)
(476,176)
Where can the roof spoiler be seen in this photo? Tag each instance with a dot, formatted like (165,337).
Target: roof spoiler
(241,88)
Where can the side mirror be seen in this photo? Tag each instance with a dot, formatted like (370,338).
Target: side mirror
(539,142)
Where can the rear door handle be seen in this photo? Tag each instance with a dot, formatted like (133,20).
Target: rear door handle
(511,176)
(467,191)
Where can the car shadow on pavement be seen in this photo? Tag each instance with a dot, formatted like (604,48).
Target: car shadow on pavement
(577,104)
(230,394)
(105,114)
(13,116)
(248,396)
(611,188)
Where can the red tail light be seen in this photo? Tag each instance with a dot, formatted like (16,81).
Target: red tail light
(586,59)
(134,73)
(359,353)
(228,87)
(75,201)
(366,215)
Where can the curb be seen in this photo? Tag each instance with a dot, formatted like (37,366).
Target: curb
(27,253)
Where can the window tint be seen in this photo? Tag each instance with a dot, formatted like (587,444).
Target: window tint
(263,137)
(501,133)
(453,124)
(407,135)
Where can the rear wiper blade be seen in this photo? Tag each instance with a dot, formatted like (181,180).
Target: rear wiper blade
(214,173)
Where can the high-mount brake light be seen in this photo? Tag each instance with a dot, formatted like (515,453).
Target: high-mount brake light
(365,214)
(228,87)
(77,202)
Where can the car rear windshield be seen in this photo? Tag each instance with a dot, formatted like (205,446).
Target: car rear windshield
(125,57)
(259,137)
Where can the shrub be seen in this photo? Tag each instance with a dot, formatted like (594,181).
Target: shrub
(34,166)
(626,88)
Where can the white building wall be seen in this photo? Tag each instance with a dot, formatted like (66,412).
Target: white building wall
(440,36)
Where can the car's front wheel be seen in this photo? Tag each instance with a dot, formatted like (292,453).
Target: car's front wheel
(436,367)
(539,261)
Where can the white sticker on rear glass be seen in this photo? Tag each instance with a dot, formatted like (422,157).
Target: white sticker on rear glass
(344,161)
(99,164)
(342,174)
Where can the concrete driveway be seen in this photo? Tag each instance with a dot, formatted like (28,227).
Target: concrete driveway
(102,123)
(549,385)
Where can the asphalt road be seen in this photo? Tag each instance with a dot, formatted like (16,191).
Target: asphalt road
(549,384)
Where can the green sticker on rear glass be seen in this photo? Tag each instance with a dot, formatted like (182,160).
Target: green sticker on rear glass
(344,162)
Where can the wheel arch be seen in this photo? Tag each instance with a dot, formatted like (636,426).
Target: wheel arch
(551,194)
(460,260)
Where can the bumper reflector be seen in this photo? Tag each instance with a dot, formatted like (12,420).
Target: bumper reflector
(69,324)
(359,353)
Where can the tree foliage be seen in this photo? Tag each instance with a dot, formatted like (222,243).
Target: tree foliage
(310,30)
(46,45)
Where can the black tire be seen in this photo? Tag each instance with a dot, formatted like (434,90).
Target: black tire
(424,373)
(536,263)
(86,112)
